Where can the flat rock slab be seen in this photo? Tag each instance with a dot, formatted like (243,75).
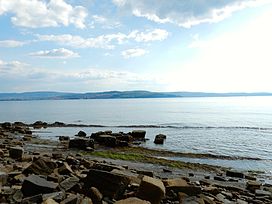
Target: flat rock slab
(34,185)
(41,166)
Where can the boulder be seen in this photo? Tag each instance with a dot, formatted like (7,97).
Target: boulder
(138,134)
(41,166)
(34,185)
(253,185)
(132,200)
(107,140)
(69,183)
(180,185)
(49,201)
(81,143)
(159,139)
(71,199)
(235,174)
(65,169)
(109,184)
(64,138)
(95,195)
(16,152)
(81,134)
(151,189)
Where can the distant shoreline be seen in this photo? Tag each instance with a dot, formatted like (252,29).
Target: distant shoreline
(29,96)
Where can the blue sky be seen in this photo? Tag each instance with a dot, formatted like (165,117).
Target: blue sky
(156,45)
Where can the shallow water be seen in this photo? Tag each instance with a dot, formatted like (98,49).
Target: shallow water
(233,126)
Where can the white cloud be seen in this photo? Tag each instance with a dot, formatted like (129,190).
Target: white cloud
(106,41)
(136,52)
(104,22)
(55,53)
(36,13)
(186,13)
(238,60)
(11,67)
(11,43)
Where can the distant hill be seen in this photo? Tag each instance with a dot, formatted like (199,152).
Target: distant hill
(115,94)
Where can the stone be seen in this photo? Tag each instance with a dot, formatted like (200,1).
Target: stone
(32,199)
(107,140)
(146,173)
(132,200)
(41,166)
(3,178)
(138,134)
(109,184)
(2,153)
(95,195)
(71,199)
(180,185)
(34,185)
(262,193)
(253,185)
(81,134)
(68,183)
(65,169)
(49,201)
(86,200)
(81,143)
(159,139)
(64,138)
(234,174)
(151,189)
(106,167)
(57,196)
(16,152)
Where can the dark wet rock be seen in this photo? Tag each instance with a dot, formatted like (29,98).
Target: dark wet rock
(132,200)
(95,195)
(34,185)
(107,140)
(180,185)
(6,125)
(110,184)
(16,153)
(151,189)
(138,134)
(64,138)
(69,183)
(249,177)
(234,174)
(81,134)
(159,139)
(39,124)
(81,143)
(41,166)
(219,178)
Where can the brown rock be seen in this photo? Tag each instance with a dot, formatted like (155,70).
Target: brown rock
(109,184)
(132,200)
(151,189)
(49,201)
(180,185)
(253,185)
(96,196)
(41,166)
(65,169)
(16,152)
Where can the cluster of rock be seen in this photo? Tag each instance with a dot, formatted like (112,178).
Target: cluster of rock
(70,178)
(108,139)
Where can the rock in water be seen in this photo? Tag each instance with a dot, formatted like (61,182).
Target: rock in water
(16,152)
(138,134)
(34,185)
(81,143)
(151,189)
(81,134)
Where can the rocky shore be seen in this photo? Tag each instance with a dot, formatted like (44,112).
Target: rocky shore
(105,167)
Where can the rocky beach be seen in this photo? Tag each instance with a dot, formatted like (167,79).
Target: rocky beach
(107,167)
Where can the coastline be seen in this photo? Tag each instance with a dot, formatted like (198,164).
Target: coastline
(129,160)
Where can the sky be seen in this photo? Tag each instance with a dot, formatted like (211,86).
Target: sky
(155,45)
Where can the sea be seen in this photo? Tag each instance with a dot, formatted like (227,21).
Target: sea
(238,127)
